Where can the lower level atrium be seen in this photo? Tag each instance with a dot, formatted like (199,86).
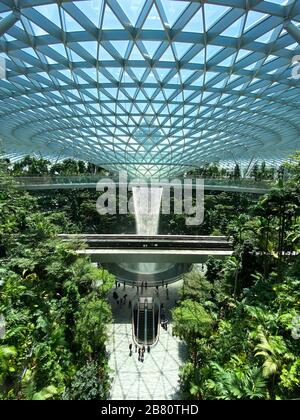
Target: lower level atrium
(155,376)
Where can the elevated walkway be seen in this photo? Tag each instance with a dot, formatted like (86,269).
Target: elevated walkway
(91,181)
(151,249)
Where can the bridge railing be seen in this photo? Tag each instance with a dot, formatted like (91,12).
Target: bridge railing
(94,179)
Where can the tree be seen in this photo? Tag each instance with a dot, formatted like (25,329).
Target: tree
(191,320)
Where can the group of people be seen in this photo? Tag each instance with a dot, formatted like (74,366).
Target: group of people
(122,300)
(140,350)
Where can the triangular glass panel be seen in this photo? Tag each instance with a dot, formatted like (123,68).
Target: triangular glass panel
(235,29)
(270,58)
(131,92)
(75,57)
(91,8)
(173,10)
(199,58)
(292,46)
(141,97)
(103,79)
(198,81)
(161,97)
(266,38)
(142,107)
(162,73)
(195,24)
(138,72)
(220,84)
(242,54)
(104,54)
(153,20)
(60,49)
(205,95)
(209,75)
(181,49)
(151,47)
(37,30)
(213,13)
(169,92)
(132,9)
(71,24)
(50,12)
(253,18)
(120,46)
(136,54)
(228,61)
(150,78)
(115,72)
(110,20)
(91,47)
(185,74)
(167,55)
(211,51)
(149,91)
(252,66)
(93,92)
(30,51)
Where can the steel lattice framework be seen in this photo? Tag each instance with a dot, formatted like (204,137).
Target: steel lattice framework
(152,85)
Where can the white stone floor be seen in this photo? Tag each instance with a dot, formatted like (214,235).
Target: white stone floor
(157,377)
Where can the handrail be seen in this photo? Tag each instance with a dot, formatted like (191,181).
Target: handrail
(138,317)
(77,179)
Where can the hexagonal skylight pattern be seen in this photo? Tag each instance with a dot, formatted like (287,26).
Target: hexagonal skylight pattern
(151,86)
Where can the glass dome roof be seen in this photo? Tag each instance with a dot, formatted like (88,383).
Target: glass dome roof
(151,86)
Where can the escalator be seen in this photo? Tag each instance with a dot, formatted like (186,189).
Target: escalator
(141,325)
(145,319)
(150,327)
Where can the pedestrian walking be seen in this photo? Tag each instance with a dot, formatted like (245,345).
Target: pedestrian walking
(129,304)
(148,349)
(139,353)
(130,349)
(124,285)
(142,353)
(116,284)
(136,348)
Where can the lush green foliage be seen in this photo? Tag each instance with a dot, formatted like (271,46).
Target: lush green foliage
(54,305)
(237,319)
(249,351)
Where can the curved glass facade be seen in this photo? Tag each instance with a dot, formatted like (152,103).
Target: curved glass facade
(153,87)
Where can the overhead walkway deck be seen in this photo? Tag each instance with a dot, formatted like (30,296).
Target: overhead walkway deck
(91,181)
(153,249)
